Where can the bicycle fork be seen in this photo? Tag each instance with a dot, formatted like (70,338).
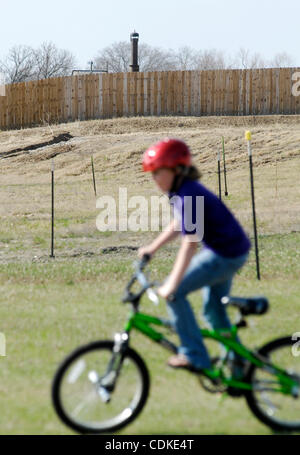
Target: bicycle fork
(106,384)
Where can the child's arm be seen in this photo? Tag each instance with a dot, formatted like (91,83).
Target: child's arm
(187,250)
(170,233)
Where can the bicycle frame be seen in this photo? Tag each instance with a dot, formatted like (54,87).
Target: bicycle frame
(141,322)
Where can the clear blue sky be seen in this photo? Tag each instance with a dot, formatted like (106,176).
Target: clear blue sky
(84,27)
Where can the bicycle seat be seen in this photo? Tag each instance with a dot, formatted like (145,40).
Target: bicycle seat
(248,305)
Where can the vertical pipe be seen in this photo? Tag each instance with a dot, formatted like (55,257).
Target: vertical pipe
(134,66)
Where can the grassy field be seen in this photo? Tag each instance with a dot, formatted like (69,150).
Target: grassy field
(50,306)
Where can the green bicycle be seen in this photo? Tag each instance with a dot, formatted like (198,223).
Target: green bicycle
(103,386)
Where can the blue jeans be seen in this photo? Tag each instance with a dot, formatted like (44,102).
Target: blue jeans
(213,273)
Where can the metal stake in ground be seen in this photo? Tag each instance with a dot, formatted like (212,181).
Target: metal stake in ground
(225,179)
(219,175)
(52,210)
(248,139)
(94,180)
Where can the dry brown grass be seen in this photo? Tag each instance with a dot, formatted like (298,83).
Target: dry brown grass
(117,146)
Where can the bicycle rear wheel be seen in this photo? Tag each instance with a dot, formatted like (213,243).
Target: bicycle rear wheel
(278,410)
(84,405)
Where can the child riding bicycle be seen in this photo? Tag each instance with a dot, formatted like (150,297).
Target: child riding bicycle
(225,249)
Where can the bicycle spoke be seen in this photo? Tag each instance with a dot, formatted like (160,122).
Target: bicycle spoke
(89,399)
(265,400)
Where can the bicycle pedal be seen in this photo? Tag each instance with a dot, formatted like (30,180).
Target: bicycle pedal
(234,392)
(189,368)
(195,370)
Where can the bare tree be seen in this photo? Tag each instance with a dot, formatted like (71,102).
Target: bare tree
(242,58)
(187,59)
(49,61)
(246,60)
(211,60)
(117,56)
(281,59)
(257,61)
(156,59)
(24,63)
(18,65)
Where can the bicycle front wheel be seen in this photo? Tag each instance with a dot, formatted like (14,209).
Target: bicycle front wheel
(84,405)
(278,410)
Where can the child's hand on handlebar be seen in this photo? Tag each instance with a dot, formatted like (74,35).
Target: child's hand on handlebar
(145,250)
(165,290)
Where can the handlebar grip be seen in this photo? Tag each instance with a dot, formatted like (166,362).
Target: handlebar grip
(145,259)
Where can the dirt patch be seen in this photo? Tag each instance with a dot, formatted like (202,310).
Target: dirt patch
(64,137)
(76,253)
(118,249)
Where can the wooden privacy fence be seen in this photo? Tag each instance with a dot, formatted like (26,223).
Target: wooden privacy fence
(92,96)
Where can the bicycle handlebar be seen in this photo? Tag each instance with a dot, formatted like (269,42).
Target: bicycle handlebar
(144,261)
(130,297)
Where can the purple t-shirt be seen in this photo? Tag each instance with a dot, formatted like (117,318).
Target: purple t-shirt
(209,218)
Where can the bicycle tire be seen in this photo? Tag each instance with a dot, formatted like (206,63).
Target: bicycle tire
(251,400)
(63,369)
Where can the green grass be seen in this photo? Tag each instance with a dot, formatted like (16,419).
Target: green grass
(49,308)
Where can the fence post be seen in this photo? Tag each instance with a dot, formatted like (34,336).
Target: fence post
(225,178)
(93,171)
(219,175)
(248,139)
(52,209)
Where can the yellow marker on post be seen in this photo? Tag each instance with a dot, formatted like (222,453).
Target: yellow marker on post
(248,137)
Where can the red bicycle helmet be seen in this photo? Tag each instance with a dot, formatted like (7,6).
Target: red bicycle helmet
(166,153)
